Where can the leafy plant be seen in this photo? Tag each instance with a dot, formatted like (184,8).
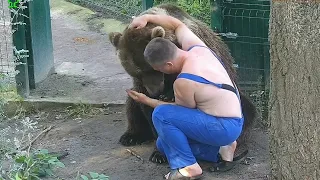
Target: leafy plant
(94,176)
(21,163)
(38,164)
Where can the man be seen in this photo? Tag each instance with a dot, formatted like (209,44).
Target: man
(206,118)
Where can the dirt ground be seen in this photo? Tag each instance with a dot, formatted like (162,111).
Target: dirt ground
(92,144)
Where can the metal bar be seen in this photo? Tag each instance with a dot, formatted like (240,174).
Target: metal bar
(146,4)
(216,15)
(18,37)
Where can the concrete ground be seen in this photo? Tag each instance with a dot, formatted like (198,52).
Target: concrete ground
(86,67)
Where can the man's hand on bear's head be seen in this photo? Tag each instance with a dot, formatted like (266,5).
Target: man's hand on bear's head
(138,22)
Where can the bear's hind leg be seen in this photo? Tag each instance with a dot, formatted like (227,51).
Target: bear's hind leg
(138,130)
(250,113)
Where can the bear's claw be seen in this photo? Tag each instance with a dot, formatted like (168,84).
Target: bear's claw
(129,139)
(157,157)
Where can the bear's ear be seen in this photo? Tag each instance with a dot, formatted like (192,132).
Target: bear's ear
(114,38)
(158,32)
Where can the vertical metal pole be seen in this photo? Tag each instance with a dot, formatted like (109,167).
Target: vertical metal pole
(39,41)
(216,15)
(146,4)
(19,42)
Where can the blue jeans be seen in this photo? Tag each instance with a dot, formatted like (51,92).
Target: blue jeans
(185,134)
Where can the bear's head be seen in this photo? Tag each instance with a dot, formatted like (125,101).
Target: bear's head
(130,45)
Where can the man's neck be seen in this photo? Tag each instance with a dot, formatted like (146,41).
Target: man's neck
(183,57)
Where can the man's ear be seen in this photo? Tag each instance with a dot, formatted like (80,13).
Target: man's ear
(158,32)
(114,38)
(169,64)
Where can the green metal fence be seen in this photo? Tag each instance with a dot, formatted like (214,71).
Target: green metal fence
(244,27)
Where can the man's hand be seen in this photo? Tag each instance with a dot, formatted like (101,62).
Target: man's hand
(139,22)
(142,98)
(139,97)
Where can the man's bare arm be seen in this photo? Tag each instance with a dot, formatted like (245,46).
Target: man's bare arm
(184,93)
(142,98)
(154,103)
(184,35)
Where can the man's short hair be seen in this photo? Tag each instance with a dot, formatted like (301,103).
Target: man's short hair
(159,51)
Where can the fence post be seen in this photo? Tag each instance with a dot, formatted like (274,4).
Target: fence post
(18,40)
(39,41)
(216,15)
(146,4)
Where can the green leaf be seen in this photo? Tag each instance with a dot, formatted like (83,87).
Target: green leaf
(43,151)
(103,176)
(60,164)
(20,159)
(84,177)
(17,177)
(49,172)
(94,175)
(53,160)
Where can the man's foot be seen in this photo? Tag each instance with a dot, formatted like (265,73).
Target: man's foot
(190,172)
(227,152)
(222,165)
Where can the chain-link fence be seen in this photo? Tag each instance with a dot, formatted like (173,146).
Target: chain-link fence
(6,59)
(7,65)
(122,10)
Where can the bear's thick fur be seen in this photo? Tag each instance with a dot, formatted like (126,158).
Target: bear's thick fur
(130,45)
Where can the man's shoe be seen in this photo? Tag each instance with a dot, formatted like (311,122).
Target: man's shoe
(223,166)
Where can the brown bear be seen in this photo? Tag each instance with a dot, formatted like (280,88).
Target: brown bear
(130,45)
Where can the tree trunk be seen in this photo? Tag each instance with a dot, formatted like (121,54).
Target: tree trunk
(294,110)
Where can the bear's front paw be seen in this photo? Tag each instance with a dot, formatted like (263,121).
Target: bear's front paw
(129,139)
(158,157)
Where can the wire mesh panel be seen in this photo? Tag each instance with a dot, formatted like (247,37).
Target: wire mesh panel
(245,29)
